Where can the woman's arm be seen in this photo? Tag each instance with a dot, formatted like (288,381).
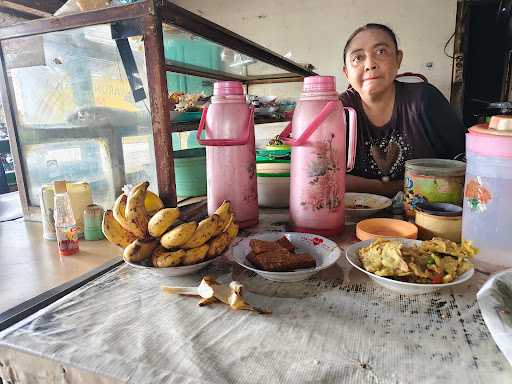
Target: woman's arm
(361,184)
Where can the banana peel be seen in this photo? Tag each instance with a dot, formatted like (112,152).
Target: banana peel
(211,291)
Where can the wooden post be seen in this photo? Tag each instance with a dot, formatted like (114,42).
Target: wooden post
(158,96)
(10,116)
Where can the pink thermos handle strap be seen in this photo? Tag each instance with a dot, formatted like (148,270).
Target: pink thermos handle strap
(225,142)
(352,138)
(324,113)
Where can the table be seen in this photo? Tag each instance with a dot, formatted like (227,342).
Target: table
(336,327)
(30,265)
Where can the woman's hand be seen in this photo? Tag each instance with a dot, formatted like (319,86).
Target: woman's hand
(379,187)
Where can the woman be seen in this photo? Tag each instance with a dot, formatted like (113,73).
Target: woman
(396,121)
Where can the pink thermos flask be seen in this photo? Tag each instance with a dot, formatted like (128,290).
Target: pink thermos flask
(228,123)
(317,173)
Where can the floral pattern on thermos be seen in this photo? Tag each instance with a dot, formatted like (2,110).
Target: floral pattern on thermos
(323,174)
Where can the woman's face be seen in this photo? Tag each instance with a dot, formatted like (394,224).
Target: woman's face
(372,62)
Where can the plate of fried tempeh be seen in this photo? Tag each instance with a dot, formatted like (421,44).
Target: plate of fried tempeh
(286,257)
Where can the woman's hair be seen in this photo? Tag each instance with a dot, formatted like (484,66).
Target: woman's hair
(366,27)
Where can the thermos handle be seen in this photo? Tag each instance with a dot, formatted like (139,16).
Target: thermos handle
(352,138)
(225,142)
(319,119)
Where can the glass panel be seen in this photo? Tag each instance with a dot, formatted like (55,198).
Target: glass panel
(183,47)
(76,113)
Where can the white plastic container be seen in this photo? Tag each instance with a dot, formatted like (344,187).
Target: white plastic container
(487,215)
(274,190)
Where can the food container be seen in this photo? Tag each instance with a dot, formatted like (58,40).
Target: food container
(439,220)
(190,172)
(93,215)
(273,177)
(370,229)
(487,217)
(80,195)
(274,190)
(432,181)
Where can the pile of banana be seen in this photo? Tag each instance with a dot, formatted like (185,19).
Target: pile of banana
(146,230)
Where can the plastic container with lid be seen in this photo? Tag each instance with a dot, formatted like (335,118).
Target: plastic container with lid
(273,177)
(487,215)
(432,181)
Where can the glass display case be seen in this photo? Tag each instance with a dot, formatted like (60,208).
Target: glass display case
(86,95)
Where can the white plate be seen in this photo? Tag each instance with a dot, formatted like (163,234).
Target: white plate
(375,202)
(400,286)
(325,252)
(172,271)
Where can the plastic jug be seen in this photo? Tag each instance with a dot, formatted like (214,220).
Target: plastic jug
(317,172)
(487,212)
(228,123)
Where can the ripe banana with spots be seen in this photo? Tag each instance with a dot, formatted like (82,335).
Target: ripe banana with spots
(178,236)
(195,255)
(162,221)
(204,232)
(135,212)
(163,258)
(224,213)
(118,211)
(139,250)
(115,232)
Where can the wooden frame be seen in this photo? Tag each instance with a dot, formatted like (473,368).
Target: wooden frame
(150,14)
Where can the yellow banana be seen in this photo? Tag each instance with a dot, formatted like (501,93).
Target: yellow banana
(178,236)
(162,258)
(224,212)
(114,232)
(152,203)
(139,250)
(232,231)
(195,255)
(118,210)
(204,232)
(218,245)
(162,221)
(135,212)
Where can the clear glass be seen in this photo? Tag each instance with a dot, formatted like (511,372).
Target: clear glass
(76,115)
(182,47)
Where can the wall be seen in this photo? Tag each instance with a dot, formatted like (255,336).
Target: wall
(315,31)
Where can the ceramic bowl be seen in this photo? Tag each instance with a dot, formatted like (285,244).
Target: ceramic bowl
(359,206)
(326,252)
(395,285)
(370,229)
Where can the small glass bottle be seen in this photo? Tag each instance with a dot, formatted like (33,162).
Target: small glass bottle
(65,224)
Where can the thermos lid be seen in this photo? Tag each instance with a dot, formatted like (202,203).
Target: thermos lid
(499,125)
(225,88)
(320,84)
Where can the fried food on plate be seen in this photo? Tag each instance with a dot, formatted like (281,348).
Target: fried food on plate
(434,261)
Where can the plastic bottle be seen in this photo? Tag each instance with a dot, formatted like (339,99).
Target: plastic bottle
(65,224)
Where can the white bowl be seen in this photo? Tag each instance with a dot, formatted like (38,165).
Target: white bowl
(400,286)
(171,271)
(375,203)
(325,252)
